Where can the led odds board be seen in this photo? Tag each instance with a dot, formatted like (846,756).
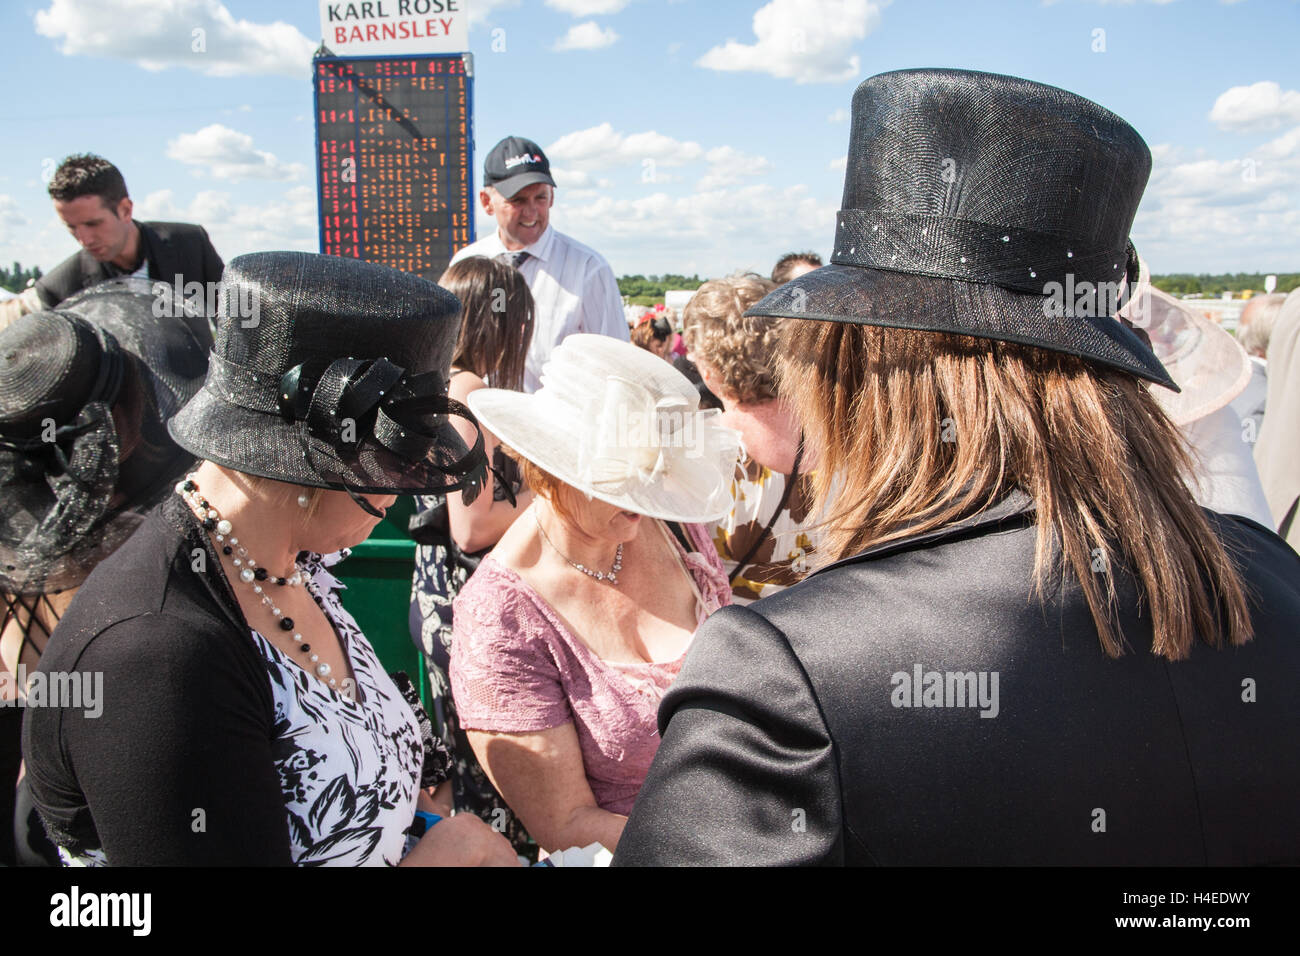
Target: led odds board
(394,159)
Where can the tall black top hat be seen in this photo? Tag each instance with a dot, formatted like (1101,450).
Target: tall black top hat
(332,373)
(84,393)
(980,205)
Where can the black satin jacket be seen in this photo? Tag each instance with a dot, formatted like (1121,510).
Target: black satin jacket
(913,705)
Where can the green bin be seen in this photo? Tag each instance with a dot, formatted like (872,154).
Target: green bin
(378,578)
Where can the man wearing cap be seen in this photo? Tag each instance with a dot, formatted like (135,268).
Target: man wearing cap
(573,286)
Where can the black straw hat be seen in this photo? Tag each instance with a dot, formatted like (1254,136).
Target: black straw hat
(84,393)
(332,373)
(984,205)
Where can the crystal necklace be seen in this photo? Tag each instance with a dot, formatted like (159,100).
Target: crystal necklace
(611,575)
(250,572)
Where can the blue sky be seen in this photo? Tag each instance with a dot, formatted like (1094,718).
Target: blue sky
(688,136)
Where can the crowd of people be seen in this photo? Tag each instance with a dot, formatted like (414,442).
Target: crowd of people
(876,561)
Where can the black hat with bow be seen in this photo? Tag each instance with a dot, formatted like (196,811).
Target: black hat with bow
(332,373)
(984,205)
(85,391)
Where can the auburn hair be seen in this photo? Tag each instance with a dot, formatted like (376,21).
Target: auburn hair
(496,325)
(562,496)
(914,430)
(648,333)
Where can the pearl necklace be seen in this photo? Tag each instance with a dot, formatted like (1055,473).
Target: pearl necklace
(611,575)
(249,571)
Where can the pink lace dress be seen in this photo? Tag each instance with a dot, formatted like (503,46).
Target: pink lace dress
(516,668)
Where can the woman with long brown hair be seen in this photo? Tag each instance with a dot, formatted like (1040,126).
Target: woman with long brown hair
(1026,643)
(497,318)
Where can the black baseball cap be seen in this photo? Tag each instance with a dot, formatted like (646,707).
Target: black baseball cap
(514,163)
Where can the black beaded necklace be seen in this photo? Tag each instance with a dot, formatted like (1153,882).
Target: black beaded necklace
(250,572)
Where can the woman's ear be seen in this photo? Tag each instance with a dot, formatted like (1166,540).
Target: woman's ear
(711,380)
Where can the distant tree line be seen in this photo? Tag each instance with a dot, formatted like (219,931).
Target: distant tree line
(15,279)
(645,290)
(656,286)
(1181,283)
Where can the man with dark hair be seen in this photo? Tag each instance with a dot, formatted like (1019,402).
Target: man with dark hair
(794,264)
(90,197)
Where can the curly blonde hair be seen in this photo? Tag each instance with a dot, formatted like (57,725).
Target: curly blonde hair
(742,351)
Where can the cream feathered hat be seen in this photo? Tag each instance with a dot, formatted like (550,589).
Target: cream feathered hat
(620,425)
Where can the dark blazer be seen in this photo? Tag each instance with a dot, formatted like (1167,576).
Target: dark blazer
(796,734)
(172,248)
(187,719)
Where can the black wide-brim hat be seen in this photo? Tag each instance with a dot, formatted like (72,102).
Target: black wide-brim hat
(984,205)
(332,373)
(85,390)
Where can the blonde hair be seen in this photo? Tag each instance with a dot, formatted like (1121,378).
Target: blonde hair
(918,429)
(742,351)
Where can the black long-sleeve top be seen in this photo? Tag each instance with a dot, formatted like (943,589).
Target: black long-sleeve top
(187,721)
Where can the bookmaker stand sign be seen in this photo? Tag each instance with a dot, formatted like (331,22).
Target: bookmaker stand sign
(394,174)
(371,27)
(394,158)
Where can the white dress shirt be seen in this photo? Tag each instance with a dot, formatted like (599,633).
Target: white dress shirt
(573,288)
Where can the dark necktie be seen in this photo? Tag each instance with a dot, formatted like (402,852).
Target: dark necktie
(514,259)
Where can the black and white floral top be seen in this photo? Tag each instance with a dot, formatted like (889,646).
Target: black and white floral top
(349,760)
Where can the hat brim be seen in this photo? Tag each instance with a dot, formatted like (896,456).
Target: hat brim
(1202,357)
(166,360)
(862,296)
(551,440)
(508,187)
(266,445)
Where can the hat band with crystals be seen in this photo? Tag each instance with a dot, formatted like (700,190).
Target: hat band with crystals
(949,247)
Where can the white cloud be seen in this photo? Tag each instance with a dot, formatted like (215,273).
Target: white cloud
(570,178)
(229,154)
(481,10)
(1204,214)
(840,164)
(287,222)
(587,8)
(724,229)
(586,36)
(1263,105)
(602,147)
(838,116)
(11,219)
(728,166)
(155,34)
(804,40)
